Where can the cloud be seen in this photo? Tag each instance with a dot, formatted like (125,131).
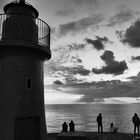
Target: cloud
(67,54)
(120,35)
(67,49)
(105,89)
(73,7)
(77,70)
(132,35)
(121,17)
(79,25)
(70,79)
(56,69)
(108,57)
(98,43)
(135,58)
(66,64)
(76,47)
(57,82)
(96,91)
(97,85)
(135,79)
(53,96)
(121,100)
(112,66)
(76,59)
(66,71)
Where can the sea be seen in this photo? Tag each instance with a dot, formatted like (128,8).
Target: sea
(84,116)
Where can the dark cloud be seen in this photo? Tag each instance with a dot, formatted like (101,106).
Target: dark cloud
(92,93)
(108,57)
(112,66)
(120,35)
(98,85)
(96,91)
(135,57)
(121,17)
(57,82)
(77,70)
(105,89)
(79,25)
(76,59)
(115,68)
(132,35)
(98,43)
(76,47)
(70,79)
(74,70)
(64,55)
(135,78)
(55,68)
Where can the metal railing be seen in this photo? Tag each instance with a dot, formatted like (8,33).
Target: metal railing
(21,27)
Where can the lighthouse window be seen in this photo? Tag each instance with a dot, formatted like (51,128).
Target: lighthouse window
(29,83)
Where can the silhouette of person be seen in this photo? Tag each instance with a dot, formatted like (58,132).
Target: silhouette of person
(112,128)
(64,127)
(99,121)
(136,122)
(71,126)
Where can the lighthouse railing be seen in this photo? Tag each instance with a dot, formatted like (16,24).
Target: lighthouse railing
(42,34)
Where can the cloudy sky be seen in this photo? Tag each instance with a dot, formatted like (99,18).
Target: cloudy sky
(95,50)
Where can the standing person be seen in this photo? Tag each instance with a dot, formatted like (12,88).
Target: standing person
(71,126)
(64,127)
(99,122)
(136,122)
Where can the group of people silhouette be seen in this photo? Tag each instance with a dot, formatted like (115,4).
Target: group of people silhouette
(71,126)
(113,129)
(135,120)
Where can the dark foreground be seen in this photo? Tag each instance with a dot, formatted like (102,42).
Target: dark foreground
(99,136)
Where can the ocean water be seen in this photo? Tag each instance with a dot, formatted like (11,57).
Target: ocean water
(84,116)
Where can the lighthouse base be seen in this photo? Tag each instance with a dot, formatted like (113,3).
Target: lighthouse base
(27,128)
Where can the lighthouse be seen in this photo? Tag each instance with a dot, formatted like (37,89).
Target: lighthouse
(24,46)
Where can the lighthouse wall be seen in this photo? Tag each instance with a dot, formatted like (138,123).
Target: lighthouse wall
(21,94)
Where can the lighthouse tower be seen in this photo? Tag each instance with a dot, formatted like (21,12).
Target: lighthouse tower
(24,46)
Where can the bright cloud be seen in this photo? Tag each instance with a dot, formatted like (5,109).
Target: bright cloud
(121,100)
(57,97)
